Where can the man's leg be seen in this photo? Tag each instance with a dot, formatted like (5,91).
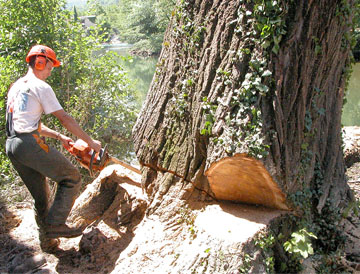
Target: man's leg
(68,185)
(39,190)
(34,180)
(51,163)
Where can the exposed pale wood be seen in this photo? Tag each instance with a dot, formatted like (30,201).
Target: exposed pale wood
(244,179)
(103,198)
(195,237)
(119,162)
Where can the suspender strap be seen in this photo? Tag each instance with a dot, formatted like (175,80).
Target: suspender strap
(10,132)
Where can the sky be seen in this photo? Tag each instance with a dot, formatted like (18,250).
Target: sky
(77,3)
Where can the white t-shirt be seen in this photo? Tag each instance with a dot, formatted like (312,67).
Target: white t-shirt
(29,98)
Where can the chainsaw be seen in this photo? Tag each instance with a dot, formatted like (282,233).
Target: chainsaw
(93,161)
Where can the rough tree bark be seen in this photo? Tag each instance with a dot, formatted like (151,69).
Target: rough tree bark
(259,81)
(245,105)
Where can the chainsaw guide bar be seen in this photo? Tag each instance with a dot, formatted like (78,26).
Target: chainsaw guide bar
(117,161)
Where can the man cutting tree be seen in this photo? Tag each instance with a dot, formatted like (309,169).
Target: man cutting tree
(28,98)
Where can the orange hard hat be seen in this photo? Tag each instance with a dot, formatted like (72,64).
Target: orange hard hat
(43,51)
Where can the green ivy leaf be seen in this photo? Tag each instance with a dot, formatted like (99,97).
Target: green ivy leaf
(266,73)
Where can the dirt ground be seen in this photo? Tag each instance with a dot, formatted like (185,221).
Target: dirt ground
(20,250)
(96,251)
(353,174)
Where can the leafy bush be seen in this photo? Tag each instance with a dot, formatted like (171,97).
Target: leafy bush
(141,22)
(91,87)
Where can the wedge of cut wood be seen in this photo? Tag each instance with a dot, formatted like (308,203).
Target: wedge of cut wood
(244,179)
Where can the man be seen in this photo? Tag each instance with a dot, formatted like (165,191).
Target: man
(28,98)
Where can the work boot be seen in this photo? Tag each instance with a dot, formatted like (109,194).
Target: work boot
(61,230)
(47,244)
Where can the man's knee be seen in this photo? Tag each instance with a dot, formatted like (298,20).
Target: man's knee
(76,176)
(72,178)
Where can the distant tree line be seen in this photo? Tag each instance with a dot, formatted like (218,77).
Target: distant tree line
(141,23)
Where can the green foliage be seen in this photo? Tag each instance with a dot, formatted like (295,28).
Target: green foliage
(93,88)
(188,217)
(261,25)
(327,228)
(300,243)
(209,111)
(102,20)
(141,23)
(185,28)
(266,243)
(247,116)
(269,23)
(112,121)
(247,261)
(299,247)
(356,27)
(325,225)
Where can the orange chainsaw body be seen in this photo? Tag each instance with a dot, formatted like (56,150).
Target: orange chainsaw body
(87,157)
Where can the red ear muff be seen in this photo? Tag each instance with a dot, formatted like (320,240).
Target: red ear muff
(40,62)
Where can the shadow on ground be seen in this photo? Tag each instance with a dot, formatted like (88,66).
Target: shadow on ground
(13,252)
(96,251)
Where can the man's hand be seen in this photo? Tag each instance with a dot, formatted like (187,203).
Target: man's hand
(65,141)
(95,145)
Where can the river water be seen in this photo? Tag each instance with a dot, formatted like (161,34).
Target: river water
(140,69)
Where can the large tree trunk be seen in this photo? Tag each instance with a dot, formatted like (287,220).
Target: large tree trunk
(245,106)
(242,82)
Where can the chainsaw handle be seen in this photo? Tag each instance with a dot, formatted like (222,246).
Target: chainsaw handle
(69,146)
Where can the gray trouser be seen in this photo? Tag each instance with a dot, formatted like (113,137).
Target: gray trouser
(34,161)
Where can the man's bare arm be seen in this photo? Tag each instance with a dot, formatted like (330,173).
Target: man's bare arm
(47,132)
(71,125)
